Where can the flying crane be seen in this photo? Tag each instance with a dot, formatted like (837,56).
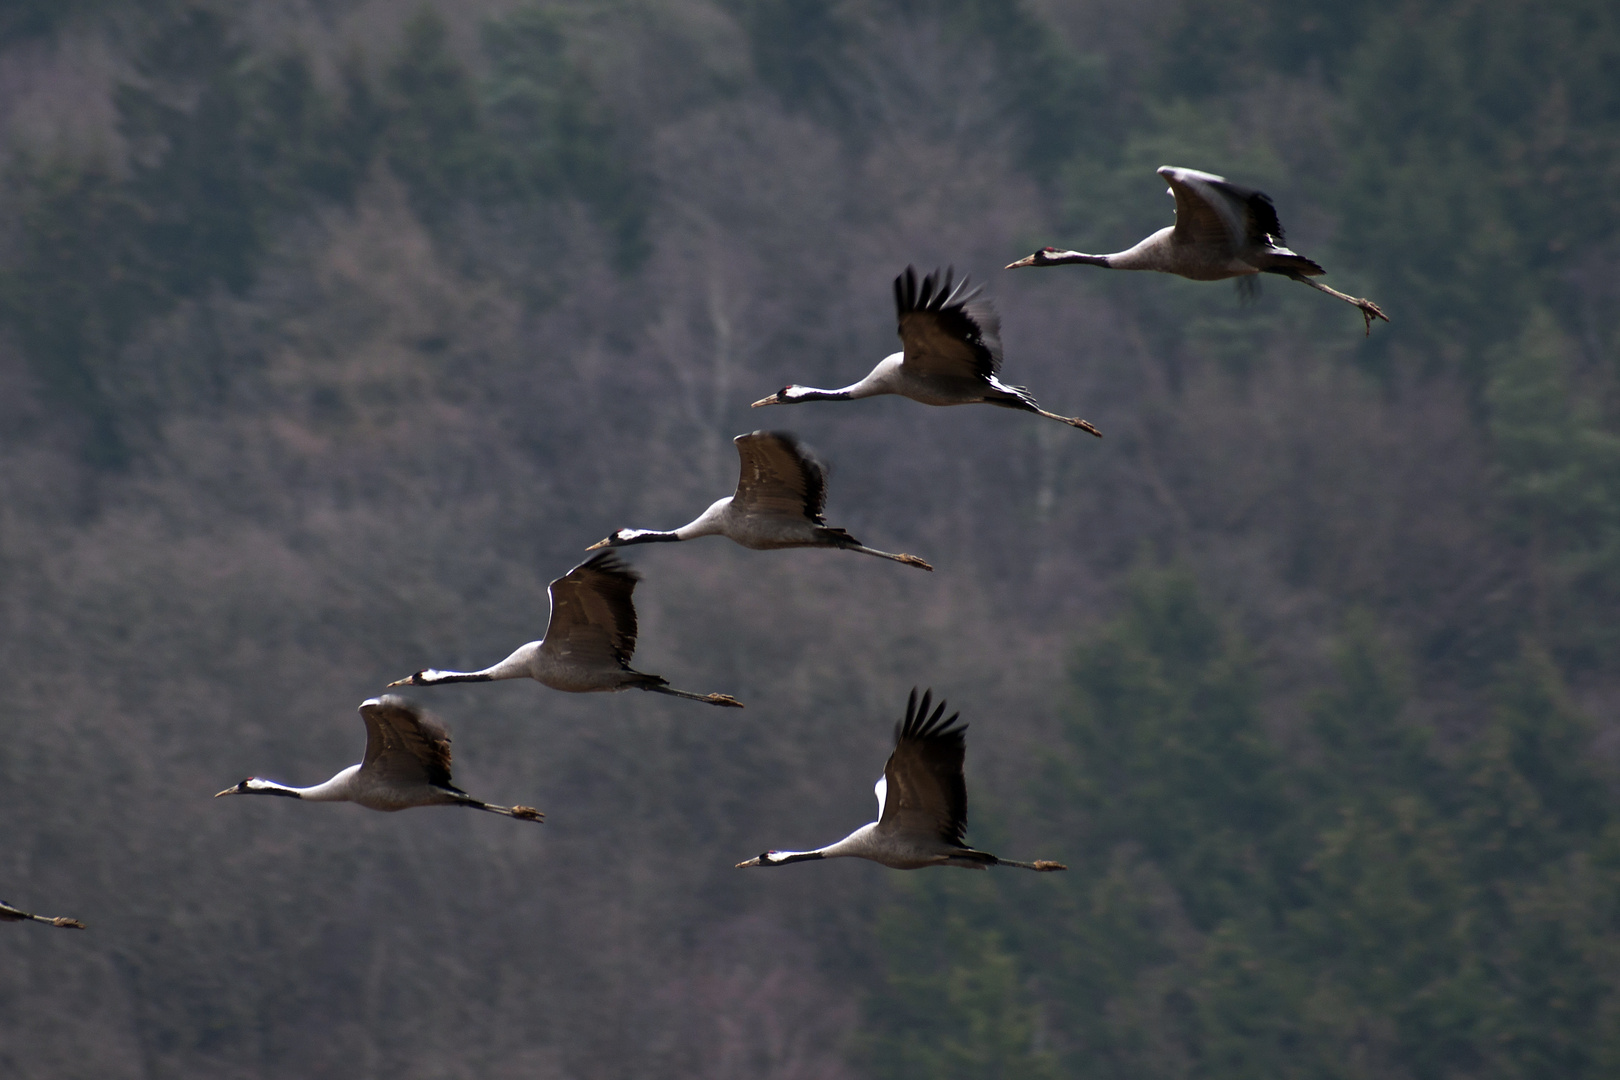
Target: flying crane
(779,503)
(922,804)
(588,643)
(950,355)
(1222,230)
(407,764)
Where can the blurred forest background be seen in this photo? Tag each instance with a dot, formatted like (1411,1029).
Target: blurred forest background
(331,331)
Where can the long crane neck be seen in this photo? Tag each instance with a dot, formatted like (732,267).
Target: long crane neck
(1152,253)
(858,844)
(1062,258)
(861,844)
(517,666)
(709,523)
(795,394)
(880,380)
(782,858)
(712,522)
(626,537)
(338,789)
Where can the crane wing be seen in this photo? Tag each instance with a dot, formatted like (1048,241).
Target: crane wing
(780,477)
(593,619)
(403,744)
(1211,210)
(945,331)
(922,788)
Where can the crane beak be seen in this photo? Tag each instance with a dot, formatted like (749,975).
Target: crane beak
(409,680)
(751,862)
(227,791)
(600,544)
(1028,260)
(774,399)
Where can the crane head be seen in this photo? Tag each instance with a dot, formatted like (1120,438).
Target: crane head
(253,785)
(778,858)
(619,537)
(1042,257)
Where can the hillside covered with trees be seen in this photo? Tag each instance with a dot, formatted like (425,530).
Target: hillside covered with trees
(331,332)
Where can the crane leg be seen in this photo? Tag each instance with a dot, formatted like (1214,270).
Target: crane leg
(710,699)
(1072,421)
(1369,310)
(11,914)
(522,813)
(909,560)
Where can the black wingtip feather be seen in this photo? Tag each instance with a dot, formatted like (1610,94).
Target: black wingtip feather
(609,562)
(959,309)
(923,719)
(939,291)
(1265,216)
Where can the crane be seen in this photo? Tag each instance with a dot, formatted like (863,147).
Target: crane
(922,804)
(779,503)
(407,764)
(1222,230)
(588,643)
(951,354)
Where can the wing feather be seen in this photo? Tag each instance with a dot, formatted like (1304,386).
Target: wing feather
(946,331)
(1212,210)
(404,744)
(926,792)
(593,618)
(780,477)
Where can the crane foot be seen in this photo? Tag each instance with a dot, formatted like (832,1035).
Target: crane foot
(1369,312)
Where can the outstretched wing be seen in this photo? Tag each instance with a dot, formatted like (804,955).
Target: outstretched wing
(946,331)
(593,619)
(1212,211)
(780,477)
(403,744)
(924,791)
